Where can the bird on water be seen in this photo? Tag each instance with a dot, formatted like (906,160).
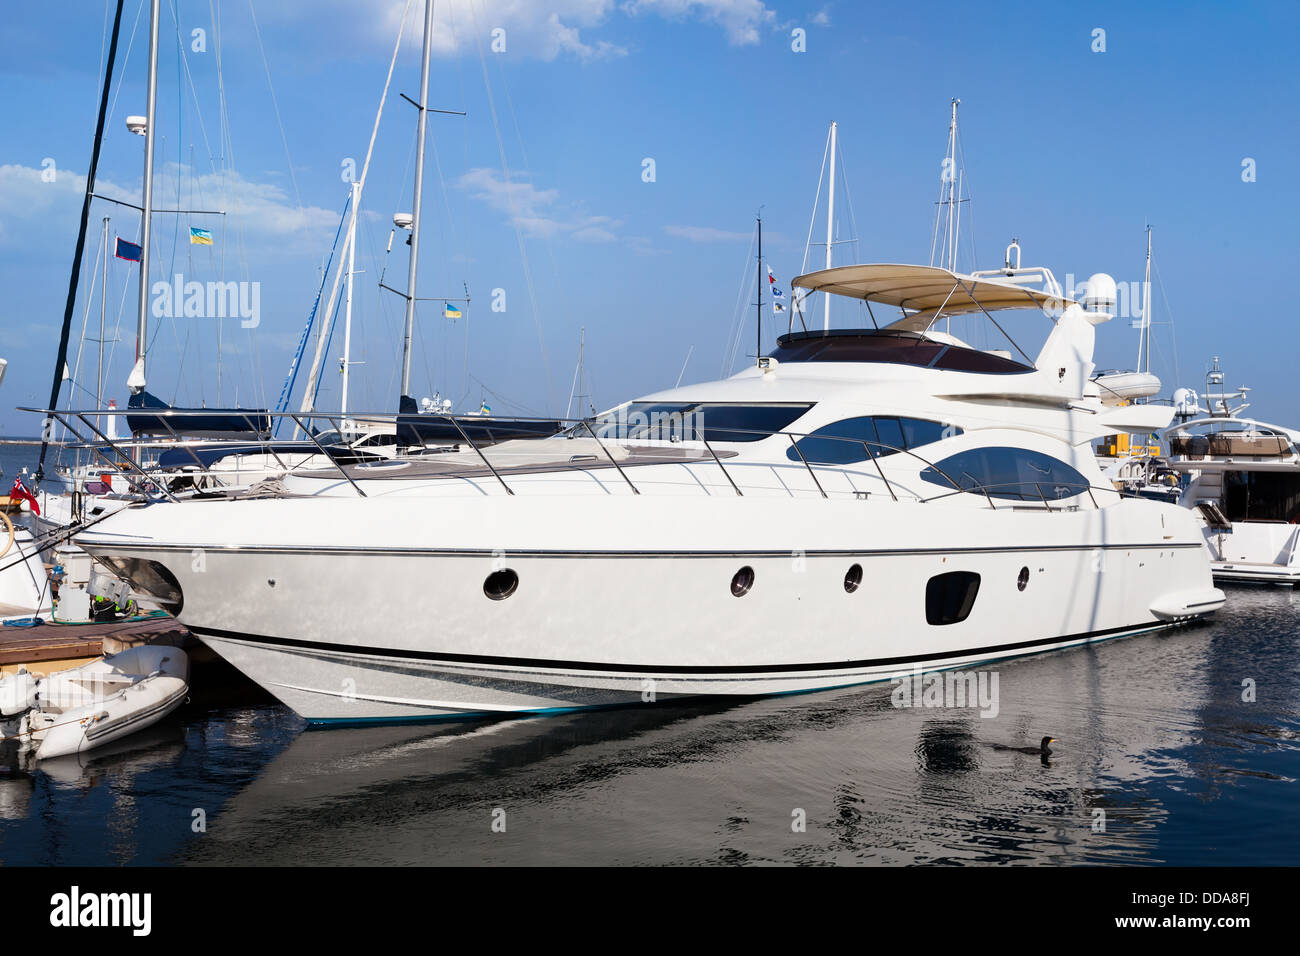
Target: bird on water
(1041,750)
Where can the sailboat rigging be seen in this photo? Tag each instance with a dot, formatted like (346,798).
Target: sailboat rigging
(47,431)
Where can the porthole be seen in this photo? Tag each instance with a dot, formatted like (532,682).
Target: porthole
(742,581)
(853,578)
(501,584)
(1023,579)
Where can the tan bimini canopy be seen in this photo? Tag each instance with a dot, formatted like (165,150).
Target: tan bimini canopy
(927,291)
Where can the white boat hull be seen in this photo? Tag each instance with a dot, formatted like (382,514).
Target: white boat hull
(24,587)
(1237,572)
(1265,552)
(627,605)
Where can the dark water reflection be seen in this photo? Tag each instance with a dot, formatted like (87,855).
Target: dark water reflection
(1158,760)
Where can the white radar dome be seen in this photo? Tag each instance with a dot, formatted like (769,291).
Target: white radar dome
(1100,293)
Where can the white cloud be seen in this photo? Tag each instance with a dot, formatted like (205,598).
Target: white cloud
(742,19)
(537,212)
(706,234)
(28,192)
(539,30)
(822,17)
(545,31)
(256,209)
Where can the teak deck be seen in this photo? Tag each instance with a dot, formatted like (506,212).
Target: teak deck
(54,647)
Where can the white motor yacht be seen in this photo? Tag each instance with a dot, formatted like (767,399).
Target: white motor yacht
(1242,481)
(857,503)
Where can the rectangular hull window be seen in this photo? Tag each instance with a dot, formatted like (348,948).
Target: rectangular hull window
(950,597)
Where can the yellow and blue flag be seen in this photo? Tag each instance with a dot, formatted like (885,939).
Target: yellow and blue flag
(449,311)
(200,237)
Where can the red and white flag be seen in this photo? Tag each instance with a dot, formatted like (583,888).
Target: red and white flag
(19,492)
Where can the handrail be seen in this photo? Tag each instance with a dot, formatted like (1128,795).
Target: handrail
(879,470)
(610,456)
(144,489)
(876,450)
(452,418)
(795,445)
(307,431)
(1037,486)
(726,474)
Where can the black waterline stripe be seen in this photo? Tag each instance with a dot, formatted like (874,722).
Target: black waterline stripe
(361,650)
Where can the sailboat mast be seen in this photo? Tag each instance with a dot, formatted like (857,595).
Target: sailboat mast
(952,190)
(103,308)
(830,223)
(137,378)
(947,217)
(74,277)
(347,320)
(582,372)
(415,211)
(758,281)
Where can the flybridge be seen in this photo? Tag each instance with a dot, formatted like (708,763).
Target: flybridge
(930,292)
(927,294)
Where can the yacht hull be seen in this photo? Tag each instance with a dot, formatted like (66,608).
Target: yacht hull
(387,618)
(325,684)
(1254,552)
(1242,572)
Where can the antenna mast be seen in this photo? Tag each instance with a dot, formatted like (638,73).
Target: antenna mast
(1144,330)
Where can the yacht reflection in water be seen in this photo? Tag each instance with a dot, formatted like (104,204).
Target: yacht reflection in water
(729,781)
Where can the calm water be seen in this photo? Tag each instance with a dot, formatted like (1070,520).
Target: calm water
(1152,730)
(14,457)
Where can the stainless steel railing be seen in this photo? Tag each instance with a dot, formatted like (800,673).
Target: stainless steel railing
(146,482)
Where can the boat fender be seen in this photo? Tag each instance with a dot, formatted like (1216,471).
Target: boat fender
(17,693)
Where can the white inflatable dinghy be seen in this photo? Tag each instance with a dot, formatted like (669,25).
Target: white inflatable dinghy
(89,706)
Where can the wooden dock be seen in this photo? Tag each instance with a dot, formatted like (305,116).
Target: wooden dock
(55,647)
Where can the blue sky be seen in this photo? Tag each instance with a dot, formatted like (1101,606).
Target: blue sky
(1070,150)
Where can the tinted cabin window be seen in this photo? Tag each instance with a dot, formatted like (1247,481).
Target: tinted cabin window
(840,443)
(1261,496)
(691,421)
(1011,473)
(892,346)
(918,431)
(950,597)
(890,432)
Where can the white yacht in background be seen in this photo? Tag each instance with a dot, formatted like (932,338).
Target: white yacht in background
(24,586)
(857,503)
(1242,483)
